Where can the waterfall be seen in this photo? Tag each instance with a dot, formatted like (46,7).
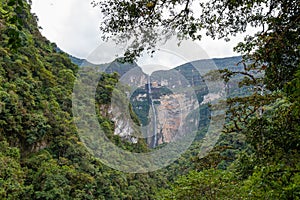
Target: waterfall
(154,113)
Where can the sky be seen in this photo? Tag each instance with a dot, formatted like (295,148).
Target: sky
(74,26)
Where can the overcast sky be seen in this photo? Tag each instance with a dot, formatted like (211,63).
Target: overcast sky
(74,26)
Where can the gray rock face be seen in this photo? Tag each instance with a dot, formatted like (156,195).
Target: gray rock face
(124,126)
(176,95)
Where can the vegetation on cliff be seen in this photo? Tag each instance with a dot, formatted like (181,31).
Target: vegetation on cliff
(268,165)
(41,156)
(257,157)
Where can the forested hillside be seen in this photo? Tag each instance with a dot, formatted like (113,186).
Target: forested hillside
(42,157)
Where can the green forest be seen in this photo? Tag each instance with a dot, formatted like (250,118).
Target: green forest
(256,157)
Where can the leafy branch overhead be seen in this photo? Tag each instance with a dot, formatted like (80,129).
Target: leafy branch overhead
(257,157)
(271,73)
(148,22)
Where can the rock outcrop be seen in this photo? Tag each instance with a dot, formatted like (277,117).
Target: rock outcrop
(172,116)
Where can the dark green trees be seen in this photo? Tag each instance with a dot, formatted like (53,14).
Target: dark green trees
(269,118)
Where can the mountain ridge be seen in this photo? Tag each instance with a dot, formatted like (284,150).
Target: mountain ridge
(132,75)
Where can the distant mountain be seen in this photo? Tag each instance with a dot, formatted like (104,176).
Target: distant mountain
(77,61)
(231,63)
(167,89)
(187,69)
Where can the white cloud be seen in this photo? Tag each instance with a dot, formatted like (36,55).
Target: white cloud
(74,26)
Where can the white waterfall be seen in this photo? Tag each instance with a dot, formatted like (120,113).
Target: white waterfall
(154,114)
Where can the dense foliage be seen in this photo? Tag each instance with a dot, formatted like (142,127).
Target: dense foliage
(41,156)
(267,167)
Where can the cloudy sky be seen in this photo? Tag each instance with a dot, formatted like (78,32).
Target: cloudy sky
(74,26)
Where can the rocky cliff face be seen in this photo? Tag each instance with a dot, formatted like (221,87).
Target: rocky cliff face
(174,99)
(124,126)
(176,95)
(172,116)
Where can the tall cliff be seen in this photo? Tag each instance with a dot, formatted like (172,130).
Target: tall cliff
(175,94)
